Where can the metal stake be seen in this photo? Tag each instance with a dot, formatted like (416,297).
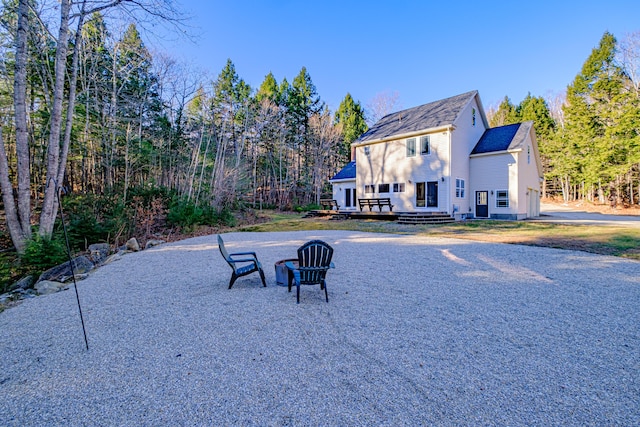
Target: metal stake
(73,273)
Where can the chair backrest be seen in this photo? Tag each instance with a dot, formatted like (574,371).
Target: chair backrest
(224,253)
(314,259)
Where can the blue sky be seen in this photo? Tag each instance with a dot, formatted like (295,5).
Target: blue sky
(423,50)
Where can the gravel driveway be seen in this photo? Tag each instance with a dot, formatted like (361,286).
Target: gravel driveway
(417,331)
(569,215)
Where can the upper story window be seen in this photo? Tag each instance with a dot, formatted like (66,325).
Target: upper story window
(502,198)
(411,147)
(367,150)
(425,145)
(383,188)
(473,116)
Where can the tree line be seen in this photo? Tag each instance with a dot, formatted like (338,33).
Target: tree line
(589,138)
(92,111)
(86,106)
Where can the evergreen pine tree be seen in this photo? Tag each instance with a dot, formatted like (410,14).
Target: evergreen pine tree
(350,115)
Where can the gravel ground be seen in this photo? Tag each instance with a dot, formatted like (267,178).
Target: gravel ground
(417,331)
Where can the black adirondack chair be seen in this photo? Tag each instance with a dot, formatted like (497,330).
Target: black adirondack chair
(314,260)
(247,264)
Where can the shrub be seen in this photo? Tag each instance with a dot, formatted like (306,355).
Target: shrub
(9,271)
(187,215)
(306,208)
(41,254)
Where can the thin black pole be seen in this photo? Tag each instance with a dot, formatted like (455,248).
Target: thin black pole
(73,273)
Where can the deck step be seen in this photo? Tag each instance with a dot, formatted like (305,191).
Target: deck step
(339,217)
(425,218)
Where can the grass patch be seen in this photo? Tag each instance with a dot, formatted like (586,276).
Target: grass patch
(605,240)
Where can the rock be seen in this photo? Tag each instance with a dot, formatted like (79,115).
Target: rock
(112,258)
(133,245)
(152,243)
(29,293)
(46,287)
(62,272)
(98,252)
(22,284)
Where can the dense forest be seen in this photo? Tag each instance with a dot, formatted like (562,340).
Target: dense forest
(87,109)
(589,137)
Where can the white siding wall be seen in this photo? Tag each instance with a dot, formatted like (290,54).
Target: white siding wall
(387,163)
(529,179)
(463,140)
(491,173)
(339,193)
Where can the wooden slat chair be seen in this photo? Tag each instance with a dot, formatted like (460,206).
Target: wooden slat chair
(314,260)
(241,266)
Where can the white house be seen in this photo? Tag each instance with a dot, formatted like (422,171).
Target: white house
(443,157)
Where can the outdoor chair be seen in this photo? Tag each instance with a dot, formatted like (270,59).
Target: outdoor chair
(314,260)
(247,263)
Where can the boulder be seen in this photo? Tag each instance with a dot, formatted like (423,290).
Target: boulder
(98,252)
(62,272)
(22,284)
(152,243)
(46,287)
(115,257)
(132,245)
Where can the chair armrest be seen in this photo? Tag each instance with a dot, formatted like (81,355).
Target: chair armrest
(243,259)
(290,265)
(245,253)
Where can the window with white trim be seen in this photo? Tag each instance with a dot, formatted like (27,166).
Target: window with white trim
(383,188)
(398,187)
(460,188)
(411,147)
(425,145)
(369,189)
(367,151)
(502,198)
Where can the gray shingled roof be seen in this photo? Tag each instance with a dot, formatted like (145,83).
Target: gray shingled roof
(434,114)
(347,172)
(503,138)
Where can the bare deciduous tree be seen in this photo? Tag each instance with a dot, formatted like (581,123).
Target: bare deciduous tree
(382,104)
(630,58)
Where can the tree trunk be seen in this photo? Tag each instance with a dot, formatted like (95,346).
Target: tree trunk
(49,207)
(66,143)
(22,135)
(13,224)
(18,220)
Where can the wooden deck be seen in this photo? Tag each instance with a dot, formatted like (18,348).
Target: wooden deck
(401,217)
